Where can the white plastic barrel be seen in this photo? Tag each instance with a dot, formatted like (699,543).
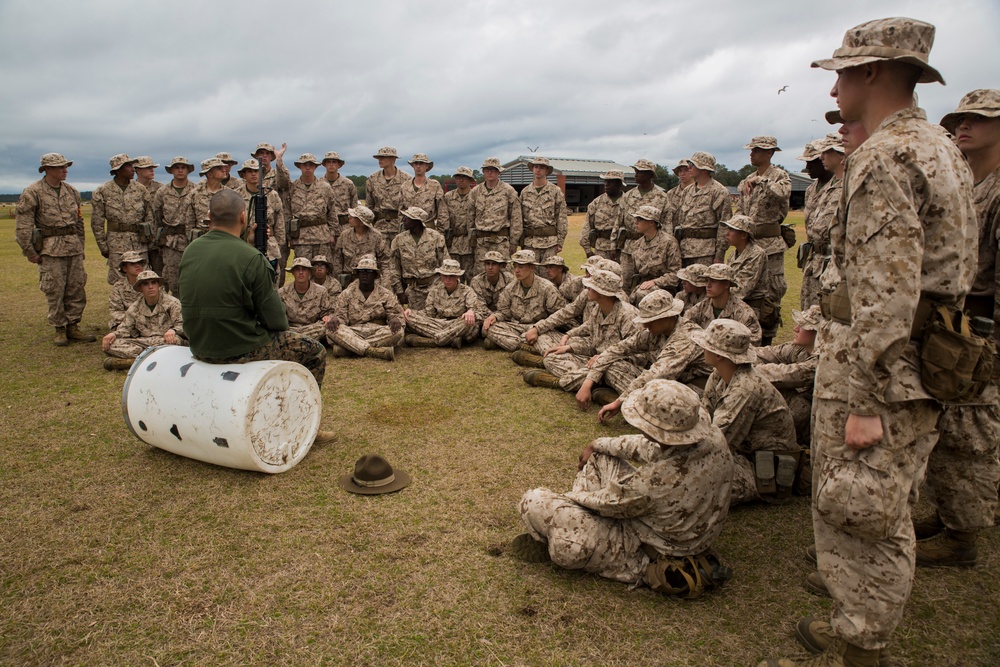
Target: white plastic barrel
(261,415)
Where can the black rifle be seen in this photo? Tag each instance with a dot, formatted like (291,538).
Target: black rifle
(259,202)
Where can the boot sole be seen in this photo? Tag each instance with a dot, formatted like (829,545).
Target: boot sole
(805,637)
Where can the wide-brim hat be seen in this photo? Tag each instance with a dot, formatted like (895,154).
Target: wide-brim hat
(832,142)
(603,282)
(543,161)
(982,102)
(764,142)
(603,263)
(613,175)
(367,263)
(307,158)
(180,159)
(386,151)
(119,161)
(147,276)
(321,259)
(300,261)
(834,117)
(495,256)
(810,152)
(144,162)
(465,171)
(668,412)
(264,146)
(657,305)
(421,157)
(555,260)
(53,160)
(703,160)
(648,212)
(130,257)
(252,164)
(722,272)
(414,213)
(209,164)
(681,164)
(523,257)
(450,267)
(694,274)
(810,319)
(335,156)
(644,165)
(227,158)
(492,163)
(740,223)
(364,214)
(373,475)
(899,39)
(726,338)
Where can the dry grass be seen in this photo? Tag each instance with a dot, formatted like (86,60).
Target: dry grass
(113,552)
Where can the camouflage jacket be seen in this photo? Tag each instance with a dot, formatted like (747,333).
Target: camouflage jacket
(461,210)
(197,206)
(604,215)
(679,359)
(121,296)
(543,207)
(768,204)
(353,308)
(275,220)
(308,308)
(313,203)
(345,194)
(749,411)
(987,282)
(141,322)
(170,209)
(787,366)
(750,272)
(384,197)
(527,307)
(570,287)
(131,206)
(702,313)
(490,294)
(429,197)
(633,199)
(350,247)
(705,208)
(447,306)
(599,331)
(497,210)
(411,258)
(45,207)
(657,259)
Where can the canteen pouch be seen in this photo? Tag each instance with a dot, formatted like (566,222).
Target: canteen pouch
(788,234)
(293,228)
(37,239)
(146,232)
(955,362)
(804,254)
(160,239)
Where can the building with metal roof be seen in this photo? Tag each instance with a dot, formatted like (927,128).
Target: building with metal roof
(580,180)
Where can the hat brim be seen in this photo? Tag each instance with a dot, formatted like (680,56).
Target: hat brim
(697,433)
(763,148)
(358,268)
(799,319)
(378,155)
(169,167)
(590,284)
(299,164)
(704,167)
(745,231)
(139,283)
(950,120)
(701,339)
(669,312)
(41,169)
(430,165)
(132,162)
(928,73)
(453,274)
(274,156)
(334,159)
(401,481)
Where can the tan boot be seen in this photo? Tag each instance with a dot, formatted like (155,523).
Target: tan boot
(530,349)
(74,334)
(539,378)
(413,340)
(338,351)
(489,344)
(603,396)
(324,437)
(928,527)
(116,364)
(811,554)
(952,549)
(61,340)
(838,654)
(386,353)
(528,359)
(817,636)
(814,584)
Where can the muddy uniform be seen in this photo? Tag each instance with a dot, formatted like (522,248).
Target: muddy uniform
(603,215)
(462,211)
(441,316)
(124,210)
(657,259)
(699,230)
(384,197)
(170,214)
(121,296)
(490,294)
(144,327)
(752,276)
(767,206)
(791,369)
(543,213)
(412,264)
(313,206)
(61,274)
(305,311)
(597,333)
(818,223)
(430,198)
(702,313)
(364,322)
(351,247)
(497,220)
(519,309)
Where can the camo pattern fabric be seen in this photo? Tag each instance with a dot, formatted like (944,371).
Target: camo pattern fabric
(680,359)
(345,194)
(657,259)
(543,207)
(384,197)
(489,293)
(412,259)
(818,223)
(40,205)
(351,247)
(305,311)
(461,211)
(143,327)
(597,333)
(702,313)
(430,198)
(768,204)
(131,206)
(704,208)
(441,317)
(634,199)
(750,271)
(122,295)
(313,203)
(604,215)
(497,220)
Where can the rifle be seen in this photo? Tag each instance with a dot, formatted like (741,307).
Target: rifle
(259,203)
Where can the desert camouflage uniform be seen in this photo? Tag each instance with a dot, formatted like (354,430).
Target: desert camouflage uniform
(675,197)
(551,329)
(233,183)
(278,179)
(543,207)
(497,220)
(330,284)
(313,204)
(822,215)
(643,259)
(753,416)
(412,264)
(517,311)
(673,357)
(597,333)
(702,313)
(675,501)
(767,206)
(791,369)
(170,211)
(384,197)
(275,220)
(430,198)
(752,276)
(155,255)
(350,248)
(441,316)
(61,274)
(143,328)
(345,196)
(704,209)
(571,287)
(306,311)
(198,200)
(122,295)
(633,199)
(690,299)
(624,361)
(461,210)
(132,207)
(490,294)
(906,228)
(603,214)
(364,322)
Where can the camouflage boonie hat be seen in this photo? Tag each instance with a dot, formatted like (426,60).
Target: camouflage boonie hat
(321,259)
(367,263)
(495,256)
(364,214)
(119,161)
(982,102)
(644,165)
(657,305)
(764,142)
(422,157)
(668,412)
(130,257)
(300,261)
(543,161)
(53,160)
(703,160)
(210,163)
(415,213)
(555,260)
(834,117)
(386,151)
(811,151)
(450,267)
(465,171)
(144,162)
(603,263)
(740,223)
(307,158)
(900,39)
(250,164)
(648,213)
(810,319)
(523,257)
(227,158)
(264,146)
(726,338)
(146,277)
(334,155)
(694,274)
(492,163)
(681,164)
(613,175)
(603,282)
(832,142)
(180,159)
(722,272)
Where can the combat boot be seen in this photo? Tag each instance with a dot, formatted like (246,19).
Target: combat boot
(928,527)
(61,340)
(457,343)
(489,344)
(324,437)
(952,549)
(539,378)
(838,654)
(528,348)
(603,396)
(74,333)
(811,554)
(525,547)
(528,359)
(817,636)
(814,584)
(413,340)
(338,351)
(116,364)
(386,353)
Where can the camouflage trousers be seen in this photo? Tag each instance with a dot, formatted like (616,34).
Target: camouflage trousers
(484,245)
(130,348)
(466,262)
(310,250)
(441,330)
(776,288)
(862,521)
(507,335)
(286,346)
(118,244)
(963,470)
(811,288)
(573,371)
(171,269)
(358,338)
(580,539)
(416,296)
(315,330)
(282,263)
(63,281)
(800,406)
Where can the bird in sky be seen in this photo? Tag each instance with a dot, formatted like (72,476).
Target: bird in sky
(533,150)
(782,89)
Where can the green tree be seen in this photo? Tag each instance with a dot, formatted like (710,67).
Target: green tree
(665,178)
(359,183)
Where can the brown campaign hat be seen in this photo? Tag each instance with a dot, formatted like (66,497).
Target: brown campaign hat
(373,475)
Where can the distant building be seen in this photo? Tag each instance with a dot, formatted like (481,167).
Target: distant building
(799,184)
(580,180)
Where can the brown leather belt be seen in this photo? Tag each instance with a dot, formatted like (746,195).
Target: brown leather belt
(49,232)
(768,230)
(116,227)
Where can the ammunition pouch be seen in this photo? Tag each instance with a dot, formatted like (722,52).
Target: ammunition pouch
(147,233)
(592,238)
(788,235)
(160,237)
(770,314)
(956,363)
(756,303)
(545,230)
(687,577)
(293,228)
(804,254)
(174,230)
(448,236)
(779,473)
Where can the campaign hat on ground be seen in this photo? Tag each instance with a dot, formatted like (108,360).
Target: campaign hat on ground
(373,475)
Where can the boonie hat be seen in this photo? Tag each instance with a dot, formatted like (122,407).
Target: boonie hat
(668,412)
(333,155)
(415,213)
(373,475)
(726,338)
(144,162)
(300,261)
(523,257)
(544,161)
(465,171)
(740,223)
(694,274)
(810,319)
(495,256)
(681,164)
(722,272)
(210,163)
(250,164)
(367,263)
(264,146)
(422,157)
(657,305)
(307,158)
(832,142)
(53,160)
(147,277)
(644,165)
(492,163)
(811,151)
(131,257)
(362,213)
(555,260)
(450,267)
(900,39)
(180,159)
(595,262)
(648,213)
(614,175)
(703,160)
(321,259)
(386,151)
(982,102)
(764,142)
(226,157)
(119,161)
(603,282)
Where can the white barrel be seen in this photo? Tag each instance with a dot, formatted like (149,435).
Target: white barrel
(261,415)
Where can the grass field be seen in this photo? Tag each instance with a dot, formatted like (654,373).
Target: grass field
(116,553)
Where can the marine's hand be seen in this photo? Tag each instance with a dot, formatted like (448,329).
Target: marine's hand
(609,411)
(585,455)
(863,431)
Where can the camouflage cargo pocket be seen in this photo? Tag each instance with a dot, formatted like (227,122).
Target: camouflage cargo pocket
(858,497)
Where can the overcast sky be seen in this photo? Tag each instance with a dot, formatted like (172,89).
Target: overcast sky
(460,81)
